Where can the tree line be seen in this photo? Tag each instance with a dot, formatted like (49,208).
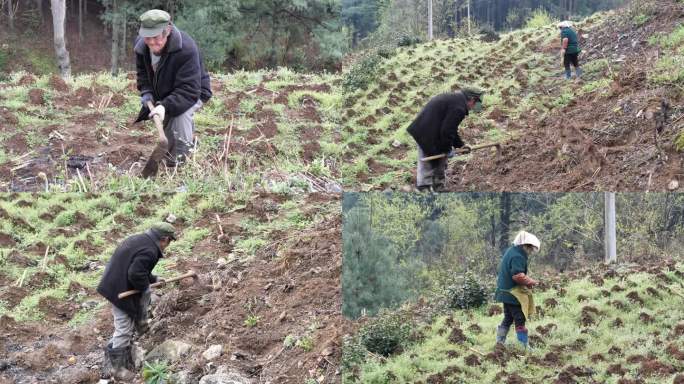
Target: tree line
(247,34)
(392,19)
(396,246)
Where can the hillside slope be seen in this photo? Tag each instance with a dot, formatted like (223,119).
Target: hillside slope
(268,289)
(265,130)
(280,130)
(599,325)
(557,135)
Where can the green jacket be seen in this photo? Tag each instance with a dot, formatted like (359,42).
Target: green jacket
(573,43)
(514,261)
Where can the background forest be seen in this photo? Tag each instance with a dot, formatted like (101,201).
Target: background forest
(399,246)
(254,34)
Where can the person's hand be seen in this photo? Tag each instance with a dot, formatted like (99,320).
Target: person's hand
(161,281)
(451,153)
(159,110)
(532,283)
(465,149)
(146,97)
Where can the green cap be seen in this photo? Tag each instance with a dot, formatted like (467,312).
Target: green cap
(153,22)
(165,229)
(473,93)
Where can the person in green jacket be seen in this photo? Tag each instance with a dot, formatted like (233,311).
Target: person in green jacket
(570,49)
(513,272)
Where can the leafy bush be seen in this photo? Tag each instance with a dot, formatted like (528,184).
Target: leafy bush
(468,293)
(408,41)
(353,352)
(488,34)
(640,19)
(540,18)
(386,334)
(361,74)
(385,52)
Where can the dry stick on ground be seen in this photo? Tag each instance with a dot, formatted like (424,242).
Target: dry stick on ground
(90,176)
(226,143)
(80,178)
(218,221)
(44,261)
(476,351)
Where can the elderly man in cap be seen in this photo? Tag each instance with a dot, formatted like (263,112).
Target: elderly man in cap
(131,268)
(513,276)
(171,75)
(435,130)
(570,49)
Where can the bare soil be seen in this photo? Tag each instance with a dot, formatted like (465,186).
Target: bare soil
(297,293)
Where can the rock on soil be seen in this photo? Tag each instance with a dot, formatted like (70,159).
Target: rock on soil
(213,352)
(170,351)
(224,376)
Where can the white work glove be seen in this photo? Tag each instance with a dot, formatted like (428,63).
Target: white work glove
(159,110)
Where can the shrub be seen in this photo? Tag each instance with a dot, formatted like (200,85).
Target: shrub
(353,352)
(386,334)
(361,74)
(467,293)
(408,41)
(540,18)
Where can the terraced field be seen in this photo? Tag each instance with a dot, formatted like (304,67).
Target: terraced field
(284,131)
(258,262)
(599,325)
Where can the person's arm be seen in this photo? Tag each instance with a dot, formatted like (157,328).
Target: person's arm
(564,44)
(140,270)
(186,87)
(518,268)
(522,279)
(449,130)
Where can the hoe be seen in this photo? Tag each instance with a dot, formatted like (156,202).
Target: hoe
(152,165)
(473,148)
(192,274)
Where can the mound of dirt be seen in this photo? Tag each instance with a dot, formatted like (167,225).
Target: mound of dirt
(36,96)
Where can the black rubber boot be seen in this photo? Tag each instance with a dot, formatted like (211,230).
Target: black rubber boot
(106,371)
(120,362)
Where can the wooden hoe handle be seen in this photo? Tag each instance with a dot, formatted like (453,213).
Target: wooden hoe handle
(123,295)
(159,124)
(473,148)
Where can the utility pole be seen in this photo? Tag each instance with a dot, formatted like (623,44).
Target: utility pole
(609,227)
(468,17)
(429,20)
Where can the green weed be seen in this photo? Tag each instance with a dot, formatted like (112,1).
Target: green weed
(155,373)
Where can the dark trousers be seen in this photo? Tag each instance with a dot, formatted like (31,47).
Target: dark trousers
(570,58)
(513,313)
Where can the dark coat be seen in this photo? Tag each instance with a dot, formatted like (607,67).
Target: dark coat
(436,127)
(181,78)
(131,268)
(514,261)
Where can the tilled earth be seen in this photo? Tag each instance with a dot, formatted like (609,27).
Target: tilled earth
(616,139)
(292,291)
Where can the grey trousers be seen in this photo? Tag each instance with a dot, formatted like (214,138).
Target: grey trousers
(125,324)
(179,132)
(431,172)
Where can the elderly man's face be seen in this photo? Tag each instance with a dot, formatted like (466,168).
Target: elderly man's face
(156,44)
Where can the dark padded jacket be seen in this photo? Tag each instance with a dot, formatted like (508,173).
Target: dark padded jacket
(131,268)
(180,79)
(436,127)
